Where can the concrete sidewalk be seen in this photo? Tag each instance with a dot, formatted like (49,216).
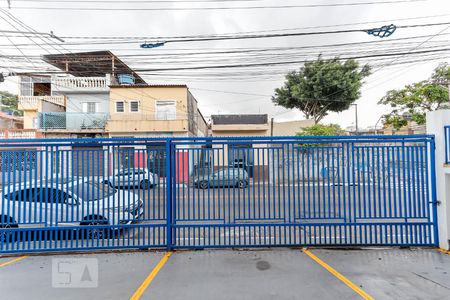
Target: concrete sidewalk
(233,274)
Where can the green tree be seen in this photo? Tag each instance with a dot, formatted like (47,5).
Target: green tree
(321,130)
(414,100)
(441,74)
(9,102)
(321,86)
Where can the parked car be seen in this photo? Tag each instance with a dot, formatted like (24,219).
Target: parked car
(140,177)
(77,202)
(223,178)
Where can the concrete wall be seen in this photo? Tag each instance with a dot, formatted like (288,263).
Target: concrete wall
(74,102)
(237,132)
(28,119)
(197,124)
(436,121)
(202,129)
(290,128)
(10,123)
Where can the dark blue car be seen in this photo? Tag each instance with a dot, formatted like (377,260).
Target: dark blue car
(228,177)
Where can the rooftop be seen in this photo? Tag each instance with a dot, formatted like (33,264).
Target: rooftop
(91,64)
(239,119)
(4,115)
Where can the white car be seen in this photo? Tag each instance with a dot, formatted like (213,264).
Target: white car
(140,177)
(77,202)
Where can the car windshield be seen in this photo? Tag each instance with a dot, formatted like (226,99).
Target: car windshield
(130,172)
(230,172)
(93,192)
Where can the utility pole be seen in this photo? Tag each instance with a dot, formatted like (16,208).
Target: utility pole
(356,118)
(271,127)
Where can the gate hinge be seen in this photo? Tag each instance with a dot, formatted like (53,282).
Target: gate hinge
(437,202)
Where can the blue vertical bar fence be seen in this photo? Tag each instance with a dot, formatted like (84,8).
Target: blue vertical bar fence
(172,193)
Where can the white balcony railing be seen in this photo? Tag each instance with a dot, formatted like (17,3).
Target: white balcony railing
(31,102)
(18,134)
(77,83)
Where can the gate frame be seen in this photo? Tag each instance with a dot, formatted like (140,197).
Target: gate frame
(171,181)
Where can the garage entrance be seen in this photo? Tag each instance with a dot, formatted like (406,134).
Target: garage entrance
(204,193)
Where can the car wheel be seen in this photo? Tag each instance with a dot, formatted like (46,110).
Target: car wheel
(145,184)
(95,233)
(204,184)
(92,229)
(241,184)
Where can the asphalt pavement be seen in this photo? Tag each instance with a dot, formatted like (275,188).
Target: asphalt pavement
(230,274)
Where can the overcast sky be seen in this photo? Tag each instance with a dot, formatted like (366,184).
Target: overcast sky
(178,23)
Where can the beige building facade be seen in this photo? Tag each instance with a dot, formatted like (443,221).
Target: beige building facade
(154,110)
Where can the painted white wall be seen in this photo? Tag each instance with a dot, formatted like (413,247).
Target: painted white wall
(74,108)
(74,102)
(436,121)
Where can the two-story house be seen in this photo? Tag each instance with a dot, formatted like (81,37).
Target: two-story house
(98,95)
(153,111)
(75,103)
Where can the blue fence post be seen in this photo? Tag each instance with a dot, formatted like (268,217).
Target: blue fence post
(173,194)
(169,158)
(434,199)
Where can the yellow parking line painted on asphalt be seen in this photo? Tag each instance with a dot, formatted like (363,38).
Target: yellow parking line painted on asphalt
(444,251)
(150,277)
(13,261)
(338,275)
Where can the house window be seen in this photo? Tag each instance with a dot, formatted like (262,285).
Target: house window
(120,106)
(134,106)
(166,110)
(90,107)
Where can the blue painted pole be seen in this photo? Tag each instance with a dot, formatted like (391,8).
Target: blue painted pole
(169,193)
(434,201)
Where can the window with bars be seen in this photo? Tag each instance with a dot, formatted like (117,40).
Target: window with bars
(90,107)
(166,110)
(134,106)
(120,106)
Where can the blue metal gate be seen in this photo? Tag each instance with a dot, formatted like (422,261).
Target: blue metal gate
(80,194)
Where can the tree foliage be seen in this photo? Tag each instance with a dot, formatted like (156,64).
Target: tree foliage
(441,74)
(9,103)
(321,130)
(321,86)
(414,100)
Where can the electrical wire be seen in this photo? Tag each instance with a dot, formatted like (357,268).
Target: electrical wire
(215,8)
